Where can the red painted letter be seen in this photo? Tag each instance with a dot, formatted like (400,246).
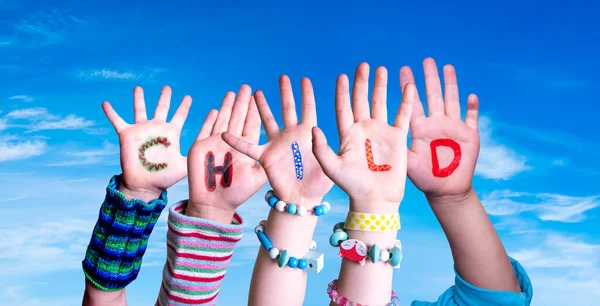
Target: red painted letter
(211,171)
(434,158)
(371,161)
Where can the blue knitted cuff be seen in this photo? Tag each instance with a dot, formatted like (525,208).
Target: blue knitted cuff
(114,255)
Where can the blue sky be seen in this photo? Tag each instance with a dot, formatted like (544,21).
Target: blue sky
(534,69)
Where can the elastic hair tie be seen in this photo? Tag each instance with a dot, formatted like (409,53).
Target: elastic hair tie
(311,262)
(335,297)
(356,250)
(294,209)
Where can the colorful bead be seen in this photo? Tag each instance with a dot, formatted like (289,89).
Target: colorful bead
(262,222)
(302,264)
(313,245)
(319,210)
(337,238)
(291,209)
(327,206)
(374,253)
(272,200)
(395,256)
(283,258)
(338,227)
(293,262)
(268,195)
(384,256)
(301,211)
(273,253)
(259,228)
(280,206)
(343,301)
(264,241)
(338,299)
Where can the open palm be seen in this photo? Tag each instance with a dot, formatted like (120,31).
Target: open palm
(371,164)
(444,149)
(278,157)
(210,187)
(150,155)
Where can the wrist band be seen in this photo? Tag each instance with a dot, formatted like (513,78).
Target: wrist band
(335,297)
(311,262)
(114,255)
(294,209)
(356,250)
(372,222)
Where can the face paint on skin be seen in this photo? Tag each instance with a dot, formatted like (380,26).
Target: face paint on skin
(370,160)
(148,165)
(210,171)
(297,161)
(445,172)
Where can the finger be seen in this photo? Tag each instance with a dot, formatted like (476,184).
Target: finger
(224,114)
(378,102)
(162,109)
(139,105)
(471,119)
(360,93)
(252,124)
(240,110)
(288,106)
(451,98)
(409,97)
(343,112)
(406,76)
(309,111)
(330,162)
(433,88)
(266,116)
(208,125)
(182,112)
(251,150)
(117,122)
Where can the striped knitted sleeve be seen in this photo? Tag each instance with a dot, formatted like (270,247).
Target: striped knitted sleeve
(198,253)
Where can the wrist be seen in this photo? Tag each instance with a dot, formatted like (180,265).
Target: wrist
(374,206)
(454,203)
(144,194)
(215,213)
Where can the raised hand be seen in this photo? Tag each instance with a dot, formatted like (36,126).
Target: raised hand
(371,164)
(287,158)
(150,156)
(444,149)
(220,178)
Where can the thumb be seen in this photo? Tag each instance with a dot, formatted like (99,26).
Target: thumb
(251,150)
(329,161)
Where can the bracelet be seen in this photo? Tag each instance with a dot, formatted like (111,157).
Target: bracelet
(118,243)
(335,297)
(311,262)
(372,222)
(356,250)
(294,209)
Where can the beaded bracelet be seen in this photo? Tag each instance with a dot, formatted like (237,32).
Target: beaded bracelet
(356,250)
(335,297)
(311,262)
(294,209)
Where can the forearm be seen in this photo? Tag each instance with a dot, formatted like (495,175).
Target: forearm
(118,243)
(200,243)
(272,285)
(479,256)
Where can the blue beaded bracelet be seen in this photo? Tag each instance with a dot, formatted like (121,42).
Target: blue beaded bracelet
(356,250)
(311,262)
(294,209)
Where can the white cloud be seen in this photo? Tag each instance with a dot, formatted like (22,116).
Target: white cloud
(23,98)
(71,122)
(44,28)
(88,157)
(31,114)
(10,150)
(107,74)
(546,206)
(497,161)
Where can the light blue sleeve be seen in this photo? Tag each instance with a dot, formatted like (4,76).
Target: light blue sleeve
(465,294)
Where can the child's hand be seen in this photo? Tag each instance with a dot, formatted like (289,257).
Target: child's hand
(150,156)
(287,158)
(371,166)
(220,178)
(442,133)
